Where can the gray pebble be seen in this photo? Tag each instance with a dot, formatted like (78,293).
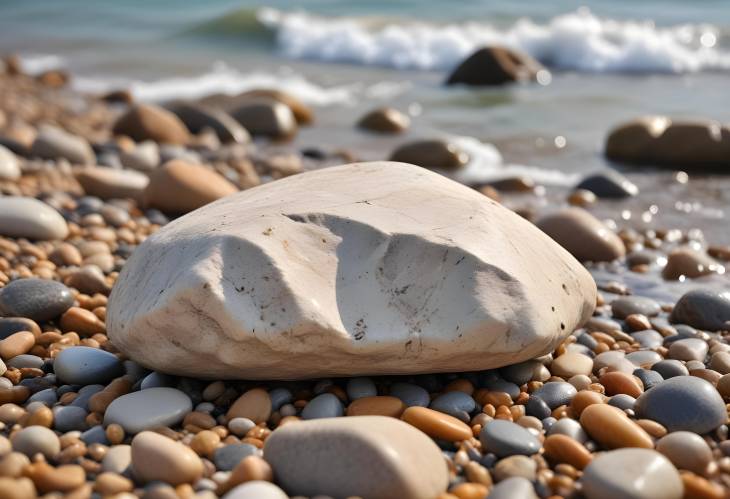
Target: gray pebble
(704,309)
(457,404)
(279,397)
(95,435)
(648,377)
(82,399)
(689,349)
(47,397)
(87,366)
(146,409)
(361,387)
(25,360)
(648,338)
(410,394)
(505,438)
(556,393)
(537,407)
(69,418)
(622,401)
(519,374)
(157,380)
(323,406)
(570,428)
(515,487)
(37,299)
(627,305)
(227,457)
(670,368)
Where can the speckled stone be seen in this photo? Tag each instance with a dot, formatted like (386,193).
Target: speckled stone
(148,409)
(683,403)
(87,366)
(627,305)
(631,474)
(37,299)
(505,438)
(703,309)
(456,403)
(556,393)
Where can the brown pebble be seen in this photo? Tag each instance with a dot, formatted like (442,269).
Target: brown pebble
(617,382)
(16,344)
(46,478)
(469,491)
(377,406)
(82,321)
(583,399)
(17,488)
(156,457)
(563,449)
(42,416)
(437,424)
(109,483)
(13,464)
(115,434)
(610,427)
(250,468)
(696,487)
(255,405)
(205,443)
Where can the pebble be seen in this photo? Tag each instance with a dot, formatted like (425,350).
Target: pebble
(87,366)
(256,489)
(609,184)
(457,404)
(36,299)
(611,428)
(36,439)
(268,118)
(11,325)
(505,438)
(110,183)
(537,407)
(571,364)
(47,479)
(703,309)
(617,382)
(325,405)
(376,406)
(686,450)
(117,459)
(556,393)
(366,456)
(689,349)
(198,118)
(582,235)
(513,488)
(720,362)
(570,428)
(9,168)
(16,344)
(384,120)
(360,387)
(227,457)
(255,405)
(520,373)
(54,143)
(438,154)
(628,305)
(683,403)
(670,368)
(155,457)
(436,424)
(518,465)
(240,426)
(410,394)
(689,263)
(631,473)
(563,449)
(149,122)
(147,409)
(69,418)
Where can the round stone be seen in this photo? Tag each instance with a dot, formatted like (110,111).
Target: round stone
(569,427)
(360,388)
(279,397)
(410,394)
(556,393)
(146,409)
(30,218)
(256,489)
(570,364)
(683,403)
(686,450)
(155,457)
(582,235)
(632,473)
(519,373)
(648,378)
(703,309)
(505,438)
(227,457)
(34,440)
(69,418)
(456,404)
(689,349)
(117,459)
(37,299)
(610,427)
(255,405)
(670,368)
(323,406)
(515,487)
(627,305)
(87,366)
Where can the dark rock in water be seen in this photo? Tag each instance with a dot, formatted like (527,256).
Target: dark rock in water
(660,141)
(627,305)
(703,309)
(670,368)
(495,66)
(302,113)
(267,118)
(385,120)
(690,263)
(118,96)
(683,403)
(438,154)
(513,184)
(197,118)
(147,122)
(609,184)
(37,299)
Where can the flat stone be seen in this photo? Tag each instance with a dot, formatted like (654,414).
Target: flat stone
(30,218)
(627,305)
(609,184)
(148,409)
(9,167)
(703,309)
(556,393)
(155,457)
(631,473)
(69,418)
(148,122)
(571,364)
(256,489)
(683,403)
(648,338)
(87,366)
(54,143)
(36,299)
(109,183)
(670,368)
(323,406)
(180,187)
(366,456)
(583,235)
(434,154)
(192,270)
(505,438)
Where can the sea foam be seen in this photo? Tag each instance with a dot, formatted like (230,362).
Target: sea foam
(578,41)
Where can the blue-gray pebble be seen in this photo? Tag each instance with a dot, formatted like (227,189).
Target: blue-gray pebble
(323,406)
(87,366)
(37,299)
(670,368)
(457,404)
(556,393)
(505,438)
(410,394)
(227,457)
(358,388)
(69,418)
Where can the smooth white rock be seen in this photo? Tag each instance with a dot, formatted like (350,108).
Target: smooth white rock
(9,168)
(28,217)
(369,268)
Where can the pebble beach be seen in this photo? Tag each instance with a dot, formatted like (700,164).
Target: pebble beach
(193,305)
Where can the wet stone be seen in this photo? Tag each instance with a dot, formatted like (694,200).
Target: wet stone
(505,438)
(625,306)
(703,309)
(36,299)
(609,184)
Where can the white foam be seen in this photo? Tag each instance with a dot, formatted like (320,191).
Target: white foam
(34,64)
(224,80)
(486,164)
(577,41)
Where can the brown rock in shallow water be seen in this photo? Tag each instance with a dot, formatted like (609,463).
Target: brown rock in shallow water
(268,118)
(148,122)
(122,96)
(495,66)
(302,113)
(658,140)
(583,235)
(180,187)
(385,120)
(438,154)
(689,263)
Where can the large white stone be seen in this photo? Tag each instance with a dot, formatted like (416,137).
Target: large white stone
(369,268)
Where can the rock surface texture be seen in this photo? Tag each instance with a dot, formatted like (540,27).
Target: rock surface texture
(370,268)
